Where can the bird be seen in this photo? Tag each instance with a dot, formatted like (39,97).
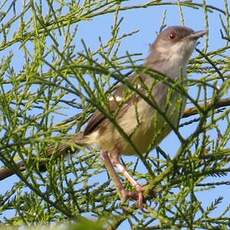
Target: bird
(144,110)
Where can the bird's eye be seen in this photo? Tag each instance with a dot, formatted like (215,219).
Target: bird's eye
(172,35)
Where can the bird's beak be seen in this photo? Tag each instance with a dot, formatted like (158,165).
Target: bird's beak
(197,34)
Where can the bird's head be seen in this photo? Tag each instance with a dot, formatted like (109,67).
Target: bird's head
(176,42)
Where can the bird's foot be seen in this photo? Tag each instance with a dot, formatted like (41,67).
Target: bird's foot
(137,195)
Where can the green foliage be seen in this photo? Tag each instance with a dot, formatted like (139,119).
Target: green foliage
(50,82)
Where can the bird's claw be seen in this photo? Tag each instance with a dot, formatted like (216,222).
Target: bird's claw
(137,195)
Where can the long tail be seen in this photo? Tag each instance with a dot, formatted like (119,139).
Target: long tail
(56,151)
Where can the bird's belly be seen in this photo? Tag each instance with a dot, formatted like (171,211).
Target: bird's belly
(143,125)
(142,139)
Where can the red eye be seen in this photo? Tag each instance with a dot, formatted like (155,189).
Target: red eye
(172,35)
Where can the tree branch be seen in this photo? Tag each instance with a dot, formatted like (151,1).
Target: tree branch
(193,110)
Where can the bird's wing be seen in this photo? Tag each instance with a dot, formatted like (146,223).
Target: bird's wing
(119,100)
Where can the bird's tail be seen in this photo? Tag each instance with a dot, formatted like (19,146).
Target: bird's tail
(69,146)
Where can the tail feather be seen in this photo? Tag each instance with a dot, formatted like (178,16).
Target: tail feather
(70,146)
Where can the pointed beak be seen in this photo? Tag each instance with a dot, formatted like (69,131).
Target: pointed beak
(197,34)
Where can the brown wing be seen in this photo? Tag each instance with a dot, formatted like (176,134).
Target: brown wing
(121,97)
(98,117)
(94,121)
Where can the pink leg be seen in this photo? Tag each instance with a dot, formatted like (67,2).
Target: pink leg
(139,195)
(120,188)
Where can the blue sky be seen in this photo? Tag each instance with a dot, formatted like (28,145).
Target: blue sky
(147,21)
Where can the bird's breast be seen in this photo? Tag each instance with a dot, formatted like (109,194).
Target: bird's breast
(142,123)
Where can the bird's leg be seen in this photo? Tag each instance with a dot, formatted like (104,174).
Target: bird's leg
(139,195)
(120,188)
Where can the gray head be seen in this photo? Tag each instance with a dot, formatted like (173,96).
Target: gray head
(174,44)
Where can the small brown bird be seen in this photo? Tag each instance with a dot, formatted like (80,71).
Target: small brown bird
(144,122)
